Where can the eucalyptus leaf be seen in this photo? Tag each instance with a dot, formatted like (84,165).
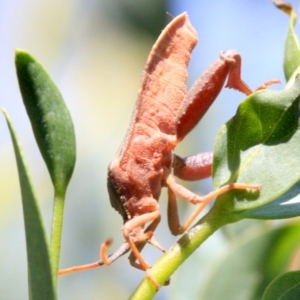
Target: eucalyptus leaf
(50,119)
(260,145)
(284,287)
(292,294)
(251,263)
(40,279)
(54,133)
(292,48)
(286,206)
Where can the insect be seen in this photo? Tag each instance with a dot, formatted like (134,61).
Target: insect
(164,114)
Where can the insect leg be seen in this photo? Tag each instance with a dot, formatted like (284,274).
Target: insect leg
(175,189)
(194,167)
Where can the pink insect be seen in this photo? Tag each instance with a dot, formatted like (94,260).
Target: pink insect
(145,163)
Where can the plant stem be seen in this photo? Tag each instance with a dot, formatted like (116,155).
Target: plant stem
(218,216)
(178,253)
(55,242)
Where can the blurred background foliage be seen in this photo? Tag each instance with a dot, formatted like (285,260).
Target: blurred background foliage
(95,51)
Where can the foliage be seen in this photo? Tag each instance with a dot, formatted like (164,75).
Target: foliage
(257,146)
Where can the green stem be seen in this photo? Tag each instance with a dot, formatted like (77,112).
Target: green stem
(55,242)
(178,253)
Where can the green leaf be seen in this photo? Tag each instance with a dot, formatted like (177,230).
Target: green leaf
(250,264)
(292,294)
(54,133)
(286,206)
(50,119)
(40,279)
(260,145)
(284,287)
(292,49)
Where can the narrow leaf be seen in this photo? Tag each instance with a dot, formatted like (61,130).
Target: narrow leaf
(292,48)
(40,278)
(50,119)
(54,133)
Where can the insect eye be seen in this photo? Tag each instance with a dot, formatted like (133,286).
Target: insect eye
(114,196)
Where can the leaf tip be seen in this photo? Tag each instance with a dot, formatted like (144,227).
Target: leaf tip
(19,51)
(23,57)
(284,6)
(5,113)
